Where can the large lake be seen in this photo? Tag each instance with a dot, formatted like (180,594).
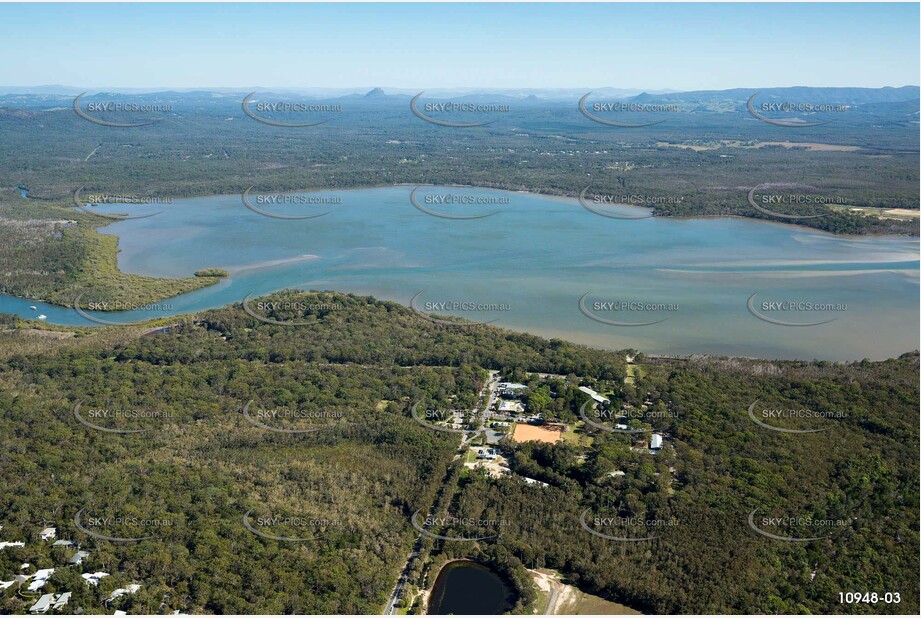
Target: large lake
(533,260)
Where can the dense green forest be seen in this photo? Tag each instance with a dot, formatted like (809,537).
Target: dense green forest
(352,481)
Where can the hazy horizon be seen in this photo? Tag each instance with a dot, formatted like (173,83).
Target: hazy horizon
(682,47)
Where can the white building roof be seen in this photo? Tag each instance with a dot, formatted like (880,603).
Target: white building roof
(42,605)
(4,544)
(129,589)
(594,395)
(62,601)
(93,578)
(656,441)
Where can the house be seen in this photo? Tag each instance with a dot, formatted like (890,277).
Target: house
(93,578)
(42,605)
(48,533)
(5,544)
(591,393)
(655,442)
(120,592)
(531,481)
(511,389)
(61,601)
(5,585)
(62,543)
(39,579)
(78,557)
(616,473)
(511,407)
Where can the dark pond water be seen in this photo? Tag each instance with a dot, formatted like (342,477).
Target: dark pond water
(470,588)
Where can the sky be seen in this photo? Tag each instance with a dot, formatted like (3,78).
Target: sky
(644,46)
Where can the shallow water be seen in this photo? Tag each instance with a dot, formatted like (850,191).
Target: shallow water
(533,260)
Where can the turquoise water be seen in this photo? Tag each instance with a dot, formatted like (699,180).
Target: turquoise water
(534,259)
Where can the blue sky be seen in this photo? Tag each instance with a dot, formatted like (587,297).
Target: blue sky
(649,46)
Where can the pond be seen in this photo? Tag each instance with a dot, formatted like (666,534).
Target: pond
(465,587)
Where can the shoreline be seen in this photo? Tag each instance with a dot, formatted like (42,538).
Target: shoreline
(574,201)
(663,354)
(567,198)
(654,358)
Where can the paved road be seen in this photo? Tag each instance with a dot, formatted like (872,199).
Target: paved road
(489,393)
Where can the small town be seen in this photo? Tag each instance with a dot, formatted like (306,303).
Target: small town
(38,586)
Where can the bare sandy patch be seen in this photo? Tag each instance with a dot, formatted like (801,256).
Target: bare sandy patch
(533,433)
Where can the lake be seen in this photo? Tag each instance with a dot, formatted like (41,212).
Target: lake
(465,587)
(659,285)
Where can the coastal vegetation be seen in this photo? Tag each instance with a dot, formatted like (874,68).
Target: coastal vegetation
(352,484)
(53,252)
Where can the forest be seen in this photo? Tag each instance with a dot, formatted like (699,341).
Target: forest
(337,459)
(698,163)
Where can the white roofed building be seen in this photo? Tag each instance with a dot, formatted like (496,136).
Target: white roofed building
(594,395)
(42,605)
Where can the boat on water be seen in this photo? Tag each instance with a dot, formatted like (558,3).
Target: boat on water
(42,316)
(32,307)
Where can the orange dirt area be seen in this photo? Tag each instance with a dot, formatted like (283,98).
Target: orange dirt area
(528,433)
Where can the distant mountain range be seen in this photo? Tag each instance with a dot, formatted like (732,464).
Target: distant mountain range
(794,94)
(712,100)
